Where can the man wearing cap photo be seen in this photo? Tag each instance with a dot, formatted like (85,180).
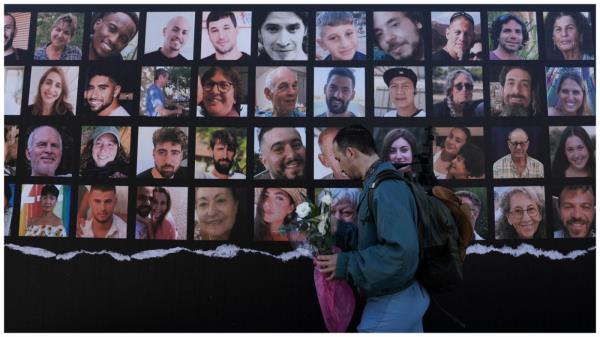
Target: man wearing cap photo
(402,84)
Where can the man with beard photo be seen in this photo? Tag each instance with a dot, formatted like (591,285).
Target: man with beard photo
(10,31)
(509,35)
(518,94)
(282,153)
(460,35)
(103,91)
(170,148)
(398,36)
(223,147)
(176,33)
(577,209)
(222,30)
(339,92)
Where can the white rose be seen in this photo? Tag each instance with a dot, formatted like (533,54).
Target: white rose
(321,227)
(303,210)
(326,199)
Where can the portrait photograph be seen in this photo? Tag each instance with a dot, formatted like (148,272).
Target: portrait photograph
(518,152)
(44,210)
(220,214)
(273,208)
(16,37)
(102,28)
(341,36)
(280,92)
(48,151)
(476,199)
(53,91)
(339,92)
(457,92)
(109,89)
(398,36)
(161,213)
(344,203)
(571,91)
(226,36)
(521,213)
(220,153)
(566,36)
(399,91)
(105,152)
(13,89)
(169,36)
(102,212)
(453,35)
(325,165)
(279,153)
(222,91)
(11,149)
(458,153)
(59,36)
(572,151)
(9,206)
(512,36)
(282,36)
(515,90)
(402,146)
(165,91)
(574,211)
(165,156)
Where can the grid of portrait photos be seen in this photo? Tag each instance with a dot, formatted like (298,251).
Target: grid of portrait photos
(187,123)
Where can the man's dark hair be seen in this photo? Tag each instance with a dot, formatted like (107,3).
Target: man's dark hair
(233,76)
(345,72)
(582,188)
(104,188)
(224,137)
(356,136)
(49,189)
(108,69)
(501,21)
(261,134)
(473,156)
(216,16)
(170,134)
(506,69)
(132,15)
(160,72)
(302,15)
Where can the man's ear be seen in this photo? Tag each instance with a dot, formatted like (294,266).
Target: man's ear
(165,31)
(117,91)
(262,160)
(323,160)
(447,34)
(97,23)
(321,43)
(353,94)
(268,94)
(27,154)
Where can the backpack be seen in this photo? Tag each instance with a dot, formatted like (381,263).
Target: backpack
(444,232)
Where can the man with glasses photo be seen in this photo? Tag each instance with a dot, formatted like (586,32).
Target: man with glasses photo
(518,164)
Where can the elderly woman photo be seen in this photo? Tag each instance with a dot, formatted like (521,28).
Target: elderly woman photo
(399,147)
(468,163)
(523,215)
(46,224)
(222,92)
(104,156)
(61,33)
(443,156)
(458,100)
(217,213)
(574,156)
(571,92)
(568,36)
(275,207)
(52,95)
(344,204)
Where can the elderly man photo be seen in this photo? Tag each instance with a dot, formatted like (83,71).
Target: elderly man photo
(156,99)
(402,84)
(170,148)
(103,223)
(222,149)
(282,153)
(281,89)
(223,31)
(44,151)
(11,53)
(398,36)
(339,91)
(577,210)
(518,164)
(103,91)
(111,33)
(509,35)
(518,94)
(460,35)
(176,34)
(326,156)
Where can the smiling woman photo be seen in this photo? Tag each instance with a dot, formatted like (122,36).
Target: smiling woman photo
(274,208)
(567,35)
(523,215)
(222,92)
(574,156)
(52,95)
(61,34)
(216,213)
(572,96)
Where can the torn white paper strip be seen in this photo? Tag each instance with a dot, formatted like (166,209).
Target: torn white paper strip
(229,251)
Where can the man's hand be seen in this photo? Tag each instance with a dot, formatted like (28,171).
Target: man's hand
(327,265)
